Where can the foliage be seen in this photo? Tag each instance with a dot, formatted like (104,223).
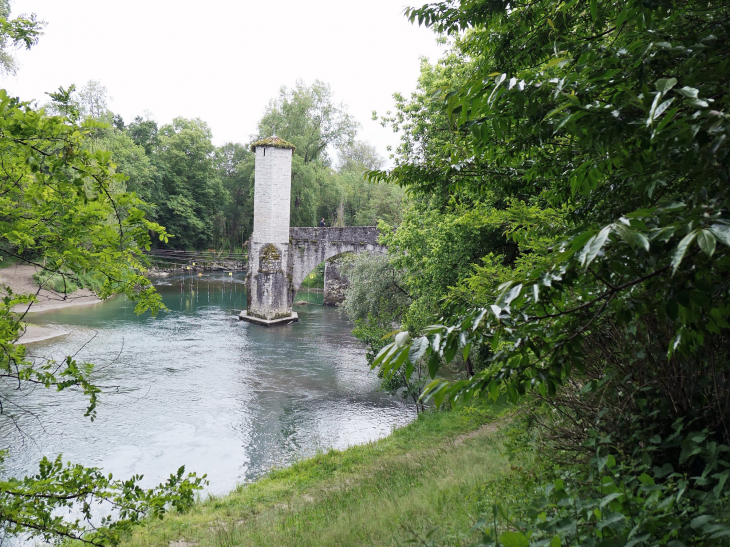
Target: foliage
(191,189)
(235,166)
(375,301)
(307,117)
(66,282)
(359,156)
(315,279)
(58,486)
(144,133)
(376,288)
(616,114)
(63,201)
(23,31)
(627,499)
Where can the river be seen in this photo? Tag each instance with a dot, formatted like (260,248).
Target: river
(197,387)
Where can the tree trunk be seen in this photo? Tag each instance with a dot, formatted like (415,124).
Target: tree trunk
(469,368)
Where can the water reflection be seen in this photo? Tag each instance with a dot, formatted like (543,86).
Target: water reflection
(197,387)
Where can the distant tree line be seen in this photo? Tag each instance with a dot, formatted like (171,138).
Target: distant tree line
(203,194)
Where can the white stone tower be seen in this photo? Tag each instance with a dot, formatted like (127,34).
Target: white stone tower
(267,284)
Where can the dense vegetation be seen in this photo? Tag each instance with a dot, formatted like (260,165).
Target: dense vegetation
(570,233)
(203,194)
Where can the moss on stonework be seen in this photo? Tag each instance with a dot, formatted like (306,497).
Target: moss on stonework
(269,252)
(272,142)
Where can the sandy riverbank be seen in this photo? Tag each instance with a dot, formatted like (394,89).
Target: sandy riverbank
(20,280)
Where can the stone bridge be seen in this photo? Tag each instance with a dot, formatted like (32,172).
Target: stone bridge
(309,247)
(280,257)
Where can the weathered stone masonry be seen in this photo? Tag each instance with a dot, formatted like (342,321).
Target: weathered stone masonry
(279,257)
(267,285)
(312,246)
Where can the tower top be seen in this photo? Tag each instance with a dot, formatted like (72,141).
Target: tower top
(274,142)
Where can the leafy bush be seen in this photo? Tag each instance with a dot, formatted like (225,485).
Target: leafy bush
(66,282)
(617,114)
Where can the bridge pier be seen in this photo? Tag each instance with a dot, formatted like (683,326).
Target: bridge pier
(267,286)
(279,257)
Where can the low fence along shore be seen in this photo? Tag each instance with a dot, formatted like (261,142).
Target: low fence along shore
(171,260)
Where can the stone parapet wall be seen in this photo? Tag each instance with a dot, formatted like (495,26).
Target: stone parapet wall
(365,235)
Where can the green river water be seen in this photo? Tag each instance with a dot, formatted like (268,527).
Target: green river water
(195,386)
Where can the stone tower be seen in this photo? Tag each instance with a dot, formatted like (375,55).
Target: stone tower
(267,285)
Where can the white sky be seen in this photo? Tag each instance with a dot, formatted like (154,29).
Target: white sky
(222,60)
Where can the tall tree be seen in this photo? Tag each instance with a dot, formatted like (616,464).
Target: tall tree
(307,117)
(235,165)
(359,156)
(617,115)
(93,101)
(191,189)
(143,131)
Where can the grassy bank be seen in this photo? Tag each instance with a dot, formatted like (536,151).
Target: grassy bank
(435,476)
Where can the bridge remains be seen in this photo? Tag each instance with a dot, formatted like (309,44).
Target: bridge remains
(280,257)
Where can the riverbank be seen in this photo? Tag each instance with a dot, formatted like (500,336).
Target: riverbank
(19,278)
(433,478)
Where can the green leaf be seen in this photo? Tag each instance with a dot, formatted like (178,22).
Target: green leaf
(594,246)
(689,92)
(706,241)
(721,232)
(387,351)
(665,84)
(681,250)
(418,349)
(610,518)
(633,238)
(433,365)
(594,9)
(514,539)
(701,521)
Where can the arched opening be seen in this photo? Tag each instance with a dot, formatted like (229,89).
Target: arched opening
(325,284)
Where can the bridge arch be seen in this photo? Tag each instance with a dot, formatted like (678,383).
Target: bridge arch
(309,247)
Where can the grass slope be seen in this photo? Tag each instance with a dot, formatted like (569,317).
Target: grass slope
(435,476)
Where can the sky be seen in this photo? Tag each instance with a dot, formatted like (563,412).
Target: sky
(223,60)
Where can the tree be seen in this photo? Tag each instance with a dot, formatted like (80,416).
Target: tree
(308,118)
(144,131)
(359,156)
(235,165)
(142,176)
(615,113)
(64,202)
(376,301)
(191,189)
(15,33)
(93,101)
(109,134)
